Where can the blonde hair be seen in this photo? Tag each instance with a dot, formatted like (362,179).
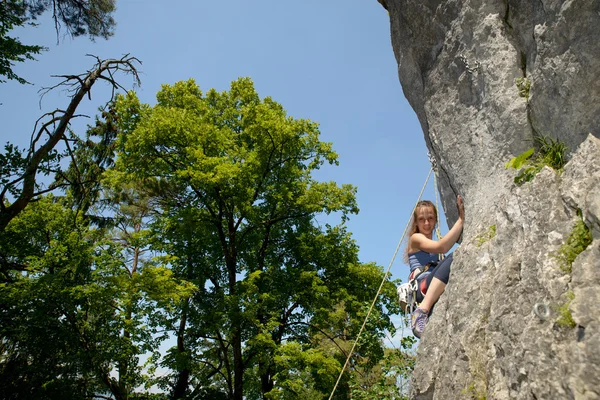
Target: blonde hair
(414,227)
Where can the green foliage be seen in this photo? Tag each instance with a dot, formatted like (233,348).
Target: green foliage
(12,164)
(238,203)
(520,160)
(73,314)
(550,152)
(91,17)
(579,239)
(302,372)
(13,14)
(485,237)
(474,392)
(94,154)
(78,18)
(49,270)
(565,318)
(524,86)
(193,219)
(381,382)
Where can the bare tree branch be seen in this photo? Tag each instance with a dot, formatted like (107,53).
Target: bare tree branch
(79,86)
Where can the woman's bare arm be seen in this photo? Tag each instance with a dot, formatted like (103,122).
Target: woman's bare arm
(421,242)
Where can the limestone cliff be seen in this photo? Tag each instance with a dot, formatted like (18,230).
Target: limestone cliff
(502,329)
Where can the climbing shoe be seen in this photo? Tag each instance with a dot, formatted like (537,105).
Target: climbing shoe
(418,321)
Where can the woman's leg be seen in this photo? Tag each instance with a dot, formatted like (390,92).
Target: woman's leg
(434,291)
(437,283)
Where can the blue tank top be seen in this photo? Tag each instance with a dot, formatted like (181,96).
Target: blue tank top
(420,259)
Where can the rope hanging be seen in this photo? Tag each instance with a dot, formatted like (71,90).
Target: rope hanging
(433,162)
(437,206)
(380,287)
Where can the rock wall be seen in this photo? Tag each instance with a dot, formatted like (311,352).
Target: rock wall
(501,330)
(459,62)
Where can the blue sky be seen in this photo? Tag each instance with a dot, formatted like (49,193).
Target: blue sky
(329,61)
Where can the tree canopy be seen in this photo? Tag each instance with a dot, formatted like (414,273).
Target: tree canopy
(203,235)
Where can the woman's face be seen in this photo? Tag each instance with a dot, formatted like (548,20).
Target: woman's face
(426,220)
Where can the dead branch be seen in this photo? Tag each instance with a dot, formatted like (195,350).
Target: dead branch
(79,86)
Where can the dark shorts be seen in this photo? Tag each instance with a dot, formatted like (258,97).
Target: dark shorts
(440,271)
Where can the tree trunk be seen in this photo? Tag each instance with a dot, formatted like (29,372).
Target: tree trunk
(230,248)
(266,381)
(183,375)
(236,339)
(238,366)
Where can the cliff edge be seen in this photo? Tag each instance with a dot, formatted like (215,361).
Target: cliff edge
(485,78)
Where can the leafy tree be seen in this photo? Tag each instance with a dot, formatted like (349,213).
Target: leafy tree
(47,316)
(90,158)
(77,17)
(388,379)
(261,300)
(75,318)
(238,209)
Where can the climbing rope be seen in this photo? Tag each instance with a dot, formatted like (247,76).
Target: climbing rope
(380,287)
(433,163)
(437,207)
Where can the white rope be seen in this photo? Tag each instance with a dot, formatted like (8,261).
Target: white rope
(380,287)
(437,207)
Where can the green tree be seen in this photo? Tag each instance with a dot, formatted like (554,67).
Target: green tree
(48,313)
(76,305)
(237,217)
(77,17)
(90,157)
(388,379)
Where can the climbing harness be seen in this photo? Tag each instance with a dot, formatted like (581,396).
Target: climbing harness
(541,310)
(382,283)
(408,293)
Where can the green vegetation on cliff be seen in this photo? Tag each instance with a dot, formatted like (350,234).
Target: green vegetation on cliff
(547,152)
(579,239)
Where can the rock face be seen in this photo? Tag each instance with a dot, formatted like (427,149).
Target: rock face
(458,62)
(502,329)
(484,78)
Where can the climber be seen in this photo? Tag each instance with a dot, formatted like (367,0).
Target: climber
(422,251)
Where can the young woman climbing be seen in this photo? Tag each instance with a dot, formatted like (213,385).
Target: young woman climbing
(422,251)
